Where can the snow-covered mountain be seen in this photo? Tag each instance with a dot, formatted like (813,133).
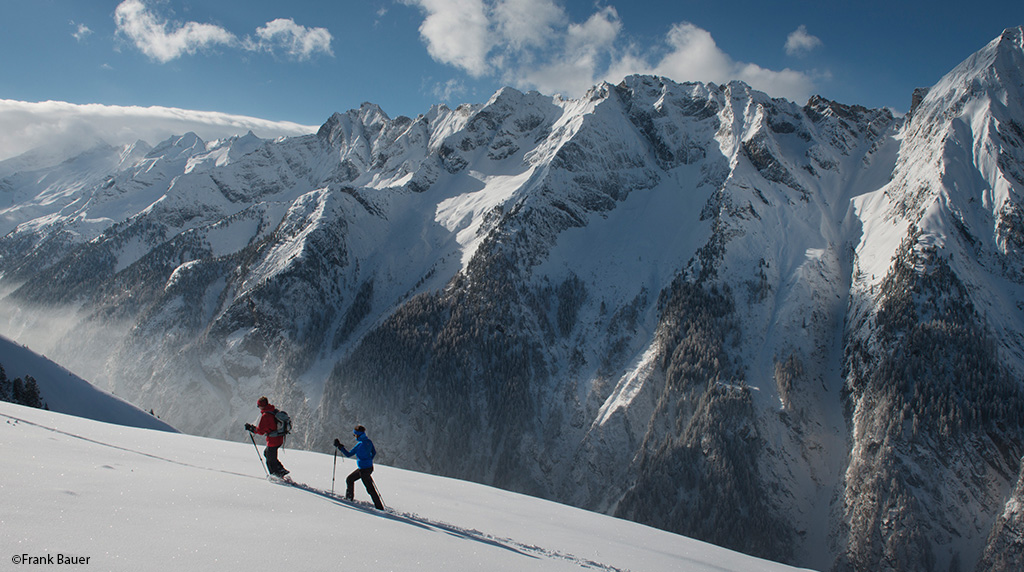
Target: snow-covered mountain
(112,498)
(65,392)
(793,331)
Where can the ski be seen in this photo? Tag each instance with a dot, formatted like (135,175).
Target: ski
(287,480)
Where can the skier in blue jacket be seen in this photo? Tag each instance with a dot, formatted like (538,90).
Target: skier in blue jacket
(364,452)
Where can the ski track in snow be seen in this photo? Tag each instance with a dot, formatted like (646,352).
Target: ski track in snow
(414,519)
(118,447)
(390,513)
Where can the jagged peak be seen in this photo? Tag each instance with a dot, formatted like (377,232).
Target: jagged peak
(138,145)
(505,103)
(638,81)
(189,139)
(598,92)
(132,152)
(1003,54)
(435,111)
(505,95)
(1012,39)
(657,86)
(372,113)
(343,126)
(243,145)
(993,71)
(183,143)
(819,107)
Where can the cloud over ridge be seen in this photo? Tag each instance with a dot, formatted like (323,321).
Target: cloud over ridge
(27,125)
(533,44)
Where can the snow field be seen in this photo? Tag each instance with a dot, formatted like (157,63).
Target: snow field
(136,499)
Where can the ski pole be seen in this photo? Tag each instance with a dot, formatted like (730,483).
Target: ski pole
(334,470)
(258,454)
(373,483)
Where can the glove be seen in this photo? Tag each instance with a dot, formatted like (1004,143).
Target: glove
(250,427)
(338,444)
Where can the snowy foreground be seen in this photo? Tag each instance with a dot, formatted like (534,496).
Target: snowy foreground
(139,499)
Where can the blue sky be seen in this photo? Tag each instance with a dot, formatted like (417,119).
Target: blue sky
(300,61)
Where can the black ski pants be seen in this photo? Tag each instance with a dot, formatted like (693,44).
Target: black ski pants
(273,465)
(371,488)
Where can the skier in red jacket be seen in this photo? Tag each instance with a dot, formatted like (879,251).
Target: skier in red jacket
(268,427)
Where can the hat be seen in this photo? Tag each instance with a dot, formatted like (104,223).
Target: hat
(262,402)
(359,429)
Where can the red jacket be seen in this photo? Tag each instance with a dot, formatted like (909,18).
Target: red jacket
(268,423)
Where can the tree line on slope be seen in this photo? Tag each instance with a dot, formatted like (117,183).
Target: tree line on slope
(20,391)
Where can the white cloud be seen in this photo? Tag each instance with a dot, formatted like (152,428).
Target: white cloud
(694,56)
(527,23)
(799,42)
(581,57)
(449,90)
(528,43)
(297,41)
(81,31)
(164,41)
(596,34)
(793,85)
(532,44)
(26,125)
(457,33)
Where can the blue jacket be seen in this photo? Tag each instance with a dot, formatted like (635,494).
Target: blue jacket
(364,452)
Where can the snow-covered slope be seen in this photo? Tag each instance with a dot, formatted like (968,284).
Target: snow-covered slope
(791,330)
(65,392)
(934,355)
(131,499)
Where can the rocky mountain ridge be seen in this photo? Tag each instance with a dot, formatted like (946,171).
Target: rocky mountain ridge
(689,305)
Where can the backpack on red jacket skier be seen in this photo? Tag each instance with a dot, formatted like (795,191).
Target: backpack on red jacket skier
(274,423)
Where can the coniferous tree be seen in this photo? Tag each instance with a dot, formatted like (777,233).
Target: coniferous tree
(5,385)
(32,397)
(23,392)
(17,390)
